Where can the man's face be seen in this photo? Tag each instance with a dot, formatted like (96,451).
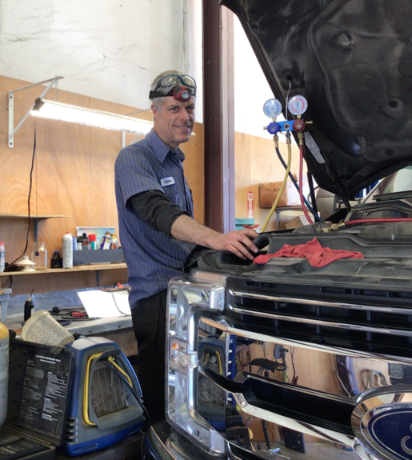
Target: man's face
(174,121)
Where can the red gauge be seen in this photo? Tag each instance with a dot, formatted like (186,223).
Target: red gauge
(298,105)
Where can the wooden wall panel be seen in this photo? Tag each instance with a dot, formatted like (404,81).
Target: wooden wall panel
(54,282)
(73,173)
(243,183)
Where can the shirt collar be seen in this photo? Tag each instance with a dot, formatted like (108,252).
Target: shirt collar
(160,149)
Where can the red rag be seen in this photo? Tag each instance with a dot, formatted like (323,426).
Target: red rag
(316,255)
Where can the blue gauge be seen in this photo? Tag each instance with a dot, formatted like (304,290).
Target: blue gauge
(272,108)
(297,105)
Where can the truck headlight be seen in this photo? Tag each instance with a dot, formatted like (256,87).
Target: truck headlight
(188,297)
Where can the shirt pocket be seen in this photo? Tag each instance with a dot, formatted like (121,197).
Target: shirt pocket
(170,191)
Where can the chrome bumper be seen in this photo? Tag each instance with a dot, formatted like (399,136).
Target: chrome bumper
(162,443)
(247,388)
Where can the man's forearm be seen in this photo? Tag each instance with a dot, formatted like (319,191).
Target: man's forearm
(186,229)
(239,242)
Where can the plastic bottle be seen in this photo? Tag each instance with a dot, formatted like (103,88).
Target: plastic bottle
(85,242)
(39,256)
(56,261)
(115,243)
(79,243)
(67,251)
(4,371)
(2,257)
(74,243)
(92,240)
(106,241)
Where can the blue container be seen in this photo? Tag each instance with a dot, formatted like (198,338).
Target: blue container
(241,222)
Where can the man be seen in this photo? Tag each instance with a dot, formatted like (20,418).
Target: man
(156,224)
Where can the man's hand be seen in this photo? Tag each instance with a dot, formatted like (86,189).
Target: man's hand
(238,242)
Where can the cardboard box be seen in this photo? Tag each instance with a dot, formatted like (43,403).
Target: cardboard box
(270,190)
(296,222)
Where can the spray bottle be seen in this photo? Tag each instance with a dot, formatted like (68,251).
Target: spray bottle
(115,243)
(4,371)
(28,307)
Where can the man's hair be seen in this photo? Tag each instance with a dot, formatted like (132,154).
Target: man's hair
(157,102)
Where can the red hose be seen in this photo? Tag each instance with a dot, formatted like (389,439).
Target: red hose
(302,203)
(377,221)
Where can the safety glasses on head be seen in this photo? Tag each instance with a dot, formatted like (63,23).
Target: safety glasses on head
(174,80)
(181,87)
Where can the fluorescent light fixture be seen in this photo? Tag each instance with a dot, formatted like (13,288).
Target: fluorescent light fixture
(74,114)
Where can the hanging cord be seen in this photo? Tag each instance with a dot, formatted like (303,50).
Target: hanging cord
(283,183)
(312,195)
(287,99)
(131,388)
(294,181)
(300,136)
(30,187)
(37,185)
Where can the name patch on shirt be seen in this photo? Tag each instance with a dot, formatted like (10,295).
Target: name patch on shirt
(166,181)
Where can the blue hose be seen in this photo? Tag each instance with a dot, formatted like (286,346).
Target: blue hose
(317,218)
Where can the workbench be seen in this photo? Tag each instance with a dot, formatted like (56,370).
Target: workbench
(119,330)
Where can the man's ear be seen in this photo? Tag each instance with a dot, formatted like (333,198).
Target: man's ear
(154,110)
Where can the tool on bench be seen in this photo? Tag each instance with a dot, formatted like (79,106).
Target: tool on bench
(78,314)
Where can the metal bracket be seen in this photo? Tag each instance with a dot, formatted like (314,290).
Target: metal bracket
(133,141)
(13,131)
(36,221)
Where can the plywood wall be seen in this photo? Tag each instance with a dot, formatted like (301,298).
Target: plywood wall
(73,172)
(256,162)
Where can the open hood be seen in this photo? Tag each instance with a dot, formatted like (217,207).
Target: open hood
(352,61)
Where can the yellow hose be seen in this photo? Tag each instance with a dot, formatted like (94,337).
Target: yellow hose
(219,360)
(86,384)
(281,189)
(111,359)
(86,389)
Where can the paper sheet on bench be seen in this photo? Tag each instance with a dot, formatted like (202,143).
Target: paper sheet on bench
(99,304)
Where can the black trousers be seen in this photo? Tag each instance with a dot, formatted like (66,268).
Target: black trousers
(149,324)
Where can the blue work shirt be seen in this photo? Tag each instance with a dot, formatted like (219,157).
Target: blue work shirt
(152,257)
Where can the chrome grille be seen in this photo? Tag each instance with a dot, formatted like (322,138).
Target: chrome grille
(351,318)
